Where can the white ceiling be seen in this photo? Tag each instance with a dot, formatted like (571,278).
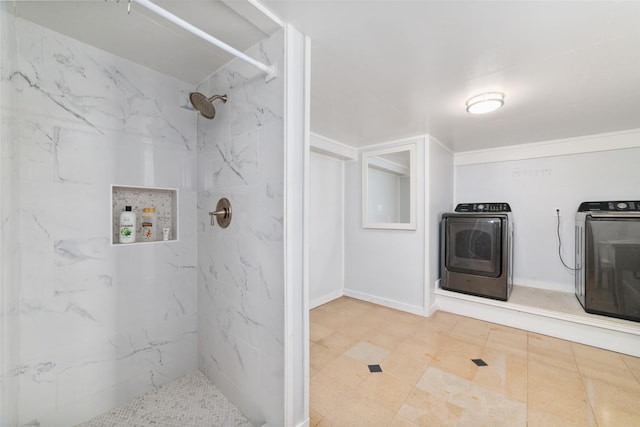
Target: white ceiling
(384,70)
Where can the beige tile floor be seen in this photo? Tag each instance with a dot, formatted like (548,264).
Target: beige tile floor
(428,378)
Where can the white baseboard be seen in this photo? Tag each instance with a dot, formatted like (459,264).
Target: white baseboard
(316,302)
(386,302)
(304,423)
(434,301)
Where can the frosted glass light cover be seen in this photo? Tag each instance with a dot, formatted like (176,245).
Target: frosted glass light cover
(485,103)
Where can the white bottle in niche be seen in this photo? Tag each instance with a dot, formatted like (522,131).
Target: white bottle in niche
(127,226)
(149,225)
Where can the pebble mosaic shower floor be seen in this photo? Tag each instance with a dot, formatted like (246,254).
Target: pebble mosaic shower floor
(190,401)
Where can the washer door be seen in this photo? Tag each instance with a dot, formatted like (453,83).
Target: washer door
(612,266)
(474,246)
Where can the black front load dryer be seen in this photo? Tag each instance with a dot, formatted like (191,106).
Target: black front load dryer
(477,250)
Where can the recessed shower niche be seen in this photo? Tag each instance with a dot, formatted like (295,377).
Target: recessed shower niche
(163,200)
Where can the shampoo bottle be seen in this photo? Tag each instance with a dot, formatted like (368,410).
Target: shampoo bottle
(127,226)
(149,224)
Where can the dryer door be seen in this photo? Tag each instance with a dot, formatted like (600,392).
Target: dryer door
(474,245)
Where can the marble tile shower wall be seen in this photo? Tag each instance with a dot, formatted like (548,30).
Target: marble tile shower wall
(99,323)
(241,268)
(9,227)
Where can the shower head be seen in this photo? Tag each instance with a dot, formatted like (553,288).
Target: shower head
(204,105)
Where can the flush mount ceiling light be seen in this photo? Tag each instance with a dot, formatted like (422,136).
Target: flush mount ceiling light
(485,103)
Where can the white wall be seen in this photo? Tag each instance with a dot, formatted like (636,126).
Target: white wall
(439,184)
(387,267)
(326,219)
(534,187)
(384,266)
(297,117)
(99,324)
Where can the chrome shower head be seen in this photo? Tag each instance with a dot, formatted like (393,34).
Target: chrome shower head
(204,105)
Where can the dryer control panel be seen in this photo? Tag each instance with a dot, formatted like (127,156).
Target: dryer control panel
(633,206)
(483,207)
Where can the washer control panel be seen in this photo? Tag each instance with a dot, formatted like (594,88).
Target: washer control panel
(619,206)
(483,207)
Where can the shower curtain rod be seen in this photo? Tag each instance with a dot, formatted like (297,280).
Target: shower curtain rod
(271,71)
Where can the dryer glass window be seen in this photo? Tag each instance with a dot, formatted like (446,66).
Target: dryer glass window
(474,246)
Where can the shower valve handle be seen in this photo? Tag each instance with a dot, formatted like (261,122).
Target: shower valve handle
(224,213)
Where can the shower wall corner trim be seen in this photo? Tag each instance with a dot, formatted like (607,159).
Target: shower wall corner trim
(270,70)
